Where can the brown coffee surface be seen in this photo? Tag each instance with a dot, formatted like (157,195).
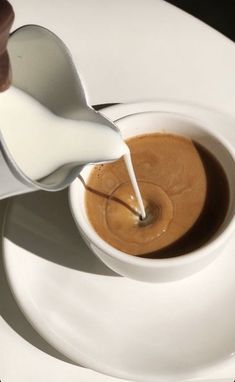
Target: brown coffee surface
(185,193)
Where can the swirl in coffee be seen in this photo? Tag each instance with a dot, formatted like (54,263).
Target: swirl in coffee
(184,189)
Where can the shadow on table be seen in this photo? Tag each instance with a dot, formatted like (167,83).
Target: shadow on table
(42,224)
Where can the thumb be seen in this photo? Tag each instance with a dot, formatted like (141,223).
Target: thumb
(6,20)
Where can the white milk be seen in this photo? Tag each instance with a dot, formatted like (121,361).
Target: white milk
(41,142)
(130,169)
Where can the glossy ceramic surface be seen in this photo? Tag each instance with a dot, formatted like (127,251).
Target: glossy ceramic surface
(180,59)
(148,332)
(170,269)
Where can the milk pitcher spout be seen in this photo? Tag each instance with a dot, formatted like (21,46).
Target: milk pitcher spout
(43,70)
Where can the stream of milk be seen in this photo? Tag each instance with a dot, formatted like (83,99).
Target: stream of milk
(41,142)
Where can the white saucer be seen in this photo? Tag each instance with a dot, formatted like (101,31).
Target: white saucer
(128,329)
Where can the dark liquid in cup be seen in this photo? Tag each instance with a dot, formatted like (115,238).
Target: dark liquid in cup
(185,192)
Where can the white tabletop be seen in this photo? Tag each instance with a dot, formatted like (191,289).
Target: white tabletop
(126,50)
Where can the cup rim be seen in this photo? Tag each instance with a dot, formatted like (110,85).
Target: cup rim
(189,257)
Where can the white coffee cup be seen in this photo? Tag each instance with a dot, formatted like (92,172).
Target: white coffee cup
(160,270)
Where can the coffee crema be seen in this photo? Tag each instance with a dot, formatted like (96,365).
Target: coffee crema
(184,189)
